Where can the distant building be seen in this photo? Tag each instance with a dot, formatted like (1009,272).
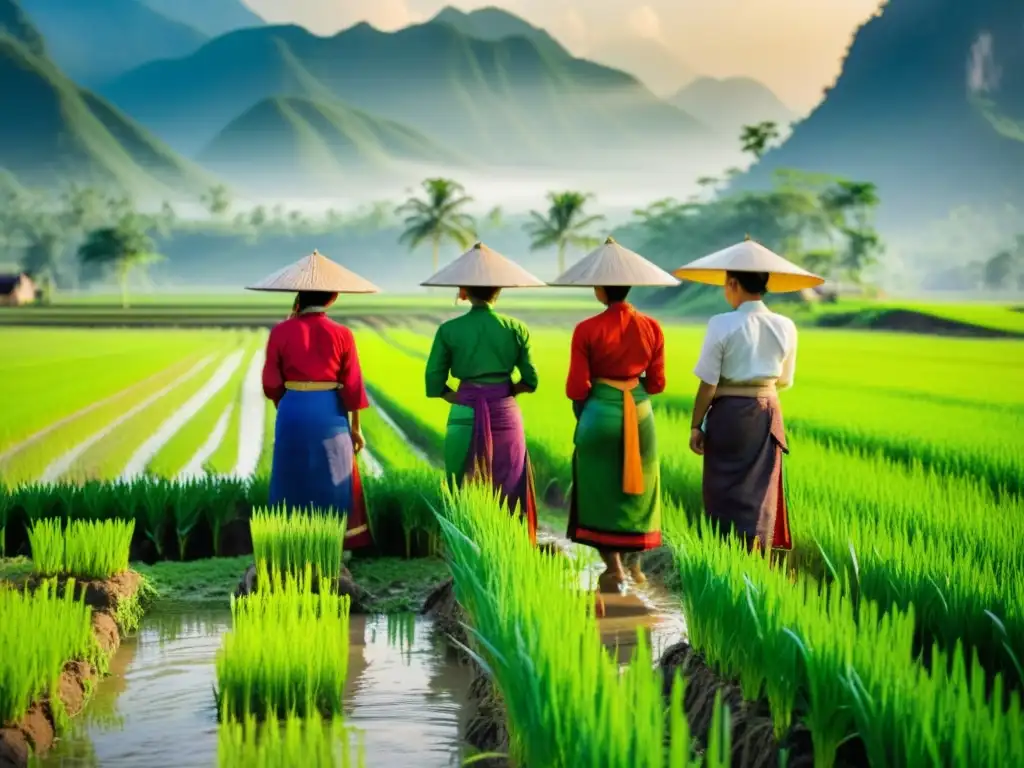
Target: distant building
(16,290)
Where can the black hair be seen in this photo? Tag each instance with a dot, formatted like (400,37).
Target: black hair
(483,293)
(307,299)
(616,293)
(755,283)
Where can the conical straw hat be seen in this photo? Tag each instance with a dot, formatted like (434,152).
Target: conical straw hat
(611,264)
(315,273)
(482,267)
(749,256)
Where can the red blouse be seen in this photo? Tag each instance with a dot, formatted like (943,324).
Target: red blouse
(618,344)
(313,348)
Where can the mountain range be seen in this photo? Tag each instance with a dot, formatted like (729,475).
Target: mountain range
(64,133)
(211,17)
(94,40)
(929,106)
(312,148)
(510,101)
(730,103)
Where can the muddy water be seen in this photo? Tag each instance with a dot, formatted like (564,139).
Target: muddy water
(156,709)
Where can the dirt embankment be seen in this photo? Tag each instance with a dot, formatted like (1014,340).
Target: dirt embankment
(909,321)
(37,730)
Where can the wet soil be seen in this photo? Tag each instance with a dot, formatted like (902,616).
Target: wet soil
(342,584)
(753,739)
(36,732)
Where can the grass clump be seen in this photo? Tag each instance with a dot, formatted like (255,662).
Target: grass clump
(287,651)
(88,549)
(287,543)
(311,742)
(535,633)
(40,632)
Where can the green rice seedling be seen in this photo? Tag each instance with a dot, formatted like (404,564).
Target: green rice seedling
(40,631)
(189,503)
(308,742)
(287,652)
(401,509)
(6,505)
(855,669)
(87,549)
(287,543)
(567,701)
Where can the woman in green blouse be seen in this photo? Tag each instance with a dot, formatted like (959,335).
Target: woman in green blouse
(482,349)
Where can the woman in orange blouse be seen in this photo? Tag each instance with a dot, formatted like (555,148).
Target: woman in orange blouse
(617,362)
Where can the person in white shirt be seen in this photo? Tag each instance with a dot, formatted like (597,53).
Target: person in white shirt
(748,355)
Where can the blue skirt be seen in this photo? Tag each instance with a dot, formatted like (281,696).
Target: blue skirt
(313,456)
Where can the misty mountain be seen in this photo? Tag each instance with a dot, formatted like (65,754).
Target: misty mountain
(929,106)
(730,103)
(211,17)
(504,102)
(493,24)
(656,65)
(15,23)
(94,40)
(309,148)
(65,134)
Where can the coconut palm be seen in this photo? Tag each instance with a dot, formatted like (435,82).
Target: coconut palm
(124,248)
(437,216)
(565,224)
(756,138)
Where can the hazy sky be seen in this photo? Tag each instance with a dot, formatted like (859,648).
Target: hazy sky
(794,46)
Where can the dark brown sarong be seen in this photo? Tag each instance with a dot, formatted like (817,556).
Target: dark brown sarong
(743,488)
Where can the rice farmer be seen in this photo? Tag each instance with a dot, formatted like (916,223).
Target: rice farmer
(748,355)
(617,362)
(313,377)
(482,349)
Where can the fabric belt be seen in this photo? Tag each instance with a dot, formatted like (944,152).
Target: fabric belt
(765,388)
(311,386)
(632,462)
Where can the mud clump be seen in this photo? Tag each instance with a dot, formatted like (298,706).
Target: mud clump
(343,584)
(753,739)
(448,615)
(35,733)
(487,727)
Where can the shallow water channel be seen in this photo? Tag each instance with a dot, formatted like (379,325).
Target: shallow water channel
(406,694)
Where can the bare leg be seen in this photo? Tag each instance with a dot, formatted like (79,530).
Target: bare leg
(632,563)
(614,575)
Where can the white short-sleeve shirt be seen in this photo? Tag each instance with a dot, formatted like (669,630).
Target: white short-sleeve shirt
(750,344)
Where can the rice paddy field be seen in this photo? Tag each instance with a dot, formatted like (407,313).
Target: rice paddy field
(892,636)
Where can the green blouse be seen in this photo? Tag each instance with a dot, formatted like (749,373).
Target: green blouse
(480,346)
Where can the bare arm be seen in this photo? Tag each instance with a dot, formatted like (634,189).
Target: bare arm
(701,403)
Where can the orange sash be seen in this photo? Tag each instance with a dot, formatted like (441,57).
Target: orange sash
(632,463)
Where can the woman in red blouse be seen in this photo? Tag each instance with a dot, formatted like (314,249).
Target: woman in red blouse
(312,375)
(617,361)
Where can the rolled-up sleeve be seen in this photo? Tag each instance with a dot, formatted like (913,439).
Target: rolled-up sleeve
(524,363)
(709,364)
(273,374)
(577,385)
(350,375)
(439,363)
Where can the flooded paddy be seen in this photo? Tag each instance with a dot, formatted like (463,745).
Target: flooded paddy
(406,694)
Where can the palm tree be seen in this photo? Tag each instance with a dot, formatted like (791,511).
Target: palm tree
(565,224)
(756,138)
(438,217)
(124,247)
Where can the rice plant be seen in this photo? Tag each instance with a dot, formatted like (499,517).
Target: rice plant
(286,653)
(39,633)
(88,549)
(568,703)
(287,543)
(851,669)
(307,742)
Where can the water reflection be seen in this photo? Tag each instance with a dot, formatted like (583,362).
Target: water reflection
(405,697)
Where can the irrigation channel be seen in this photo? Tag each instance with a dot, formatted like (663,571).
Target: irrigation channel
(406,694)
